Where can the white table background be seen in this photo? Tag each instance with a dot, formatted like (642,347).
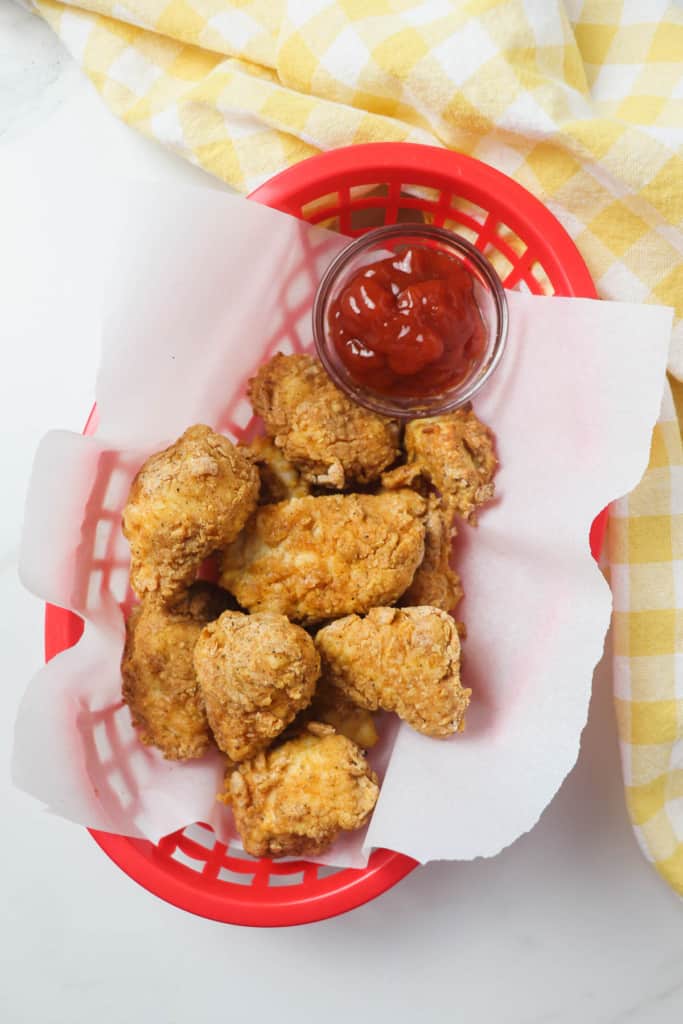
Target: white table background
(568,925)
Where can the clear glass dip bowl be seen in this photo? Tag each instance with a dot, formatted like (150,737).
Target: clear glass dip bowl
(378,244)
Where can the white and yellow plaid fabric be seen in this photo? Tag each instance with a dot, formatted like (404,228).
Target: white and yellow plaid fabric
(645,555)
(579,101)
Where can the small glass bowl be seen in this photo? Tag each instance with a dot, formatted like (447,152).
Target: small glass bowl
(383,242)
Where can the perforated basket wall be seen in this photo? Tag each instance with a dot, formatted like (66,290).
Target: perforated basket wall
(350,190)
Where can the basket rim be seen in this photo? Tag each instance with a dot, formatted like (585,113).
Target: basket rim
(289,191)
(434,167)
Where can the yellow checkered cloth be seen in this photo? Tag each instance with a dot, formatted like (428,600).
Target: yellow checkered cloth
(580,102)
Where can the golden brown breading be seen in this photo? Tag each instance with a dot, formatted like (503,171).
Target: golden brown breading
(184,504)
(296,799)
(255,672)
(318,558)
(405,660)
(333,707)
(159,681)
(455,453)
(225,796)
(332,440)
(435,583)
(408,474)
(280,479)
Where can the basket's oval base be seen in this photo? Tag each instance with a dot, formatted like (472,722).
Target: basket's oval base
(351,190)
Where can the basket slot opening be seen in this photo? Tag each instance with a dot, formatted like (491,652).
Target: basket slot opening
(519,269)
(292,878)
(367,205)
(501,264)
(513,255)
(96,587)
(103,531)
(289,338)
(329,221)
(194,863)
(118,582)
(418,204)
(215,861)
(373,206)
(409,214)
(535,286)
(539,274)
(289,345)
(471,210)
(230,428)
(315,208)
(506,250)
(367,216)
(487,232)
(367,190)
(326,870)
(304,330)
(227,428)
(509,239)
(465,231)
(116,494)
(373,216)
(522,278)
(241,413)
(236,877)
(298,290)
(201,835)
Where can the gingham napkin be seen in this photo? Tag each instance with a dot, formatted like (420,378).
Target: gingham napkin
(580,102)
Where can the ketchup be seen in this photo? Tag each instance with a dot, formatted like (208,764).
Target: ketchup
(408,324)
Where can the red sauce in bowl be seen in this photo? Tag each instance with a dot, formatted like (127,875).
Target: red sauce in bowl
(409,324)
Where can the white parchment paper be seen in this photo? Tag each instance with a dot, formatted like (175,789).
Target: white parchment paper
(202,287)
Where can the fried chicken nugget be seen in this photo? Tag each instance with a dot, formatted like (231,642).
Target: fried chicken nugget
(320,557)
(296,799)
(405,660)
(280,479)
(331,439)
(185,503)
(255,672)
(159,682)
(455,453)
(435,583)
(333,707)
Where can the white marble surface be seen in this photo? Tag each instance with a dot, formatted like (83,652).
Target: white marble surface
(568,925)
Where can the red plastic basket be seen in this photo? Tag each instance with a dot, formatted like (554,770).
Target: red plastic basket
(350,189)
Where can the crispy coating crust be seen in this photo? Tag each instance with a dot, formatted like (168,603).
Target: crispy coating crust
(255,672)
(319,558)
(330,438)
(435,583)
(280,479)
(296,799)
(408,474)
(185,503)
(159,681)
(405,660)
(333,707)
(455,454)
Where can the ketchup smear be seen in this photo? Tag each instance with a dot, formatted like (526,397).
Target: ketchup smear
(409,324)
